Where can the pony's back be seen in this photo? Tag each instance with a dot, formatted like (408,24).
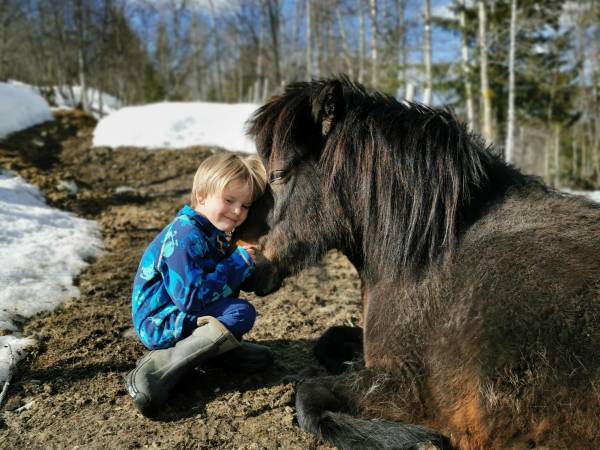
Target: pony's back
(520,324)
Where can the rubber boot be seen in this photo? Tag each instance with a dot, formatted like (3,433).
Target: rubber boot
(248,357)
(159,370)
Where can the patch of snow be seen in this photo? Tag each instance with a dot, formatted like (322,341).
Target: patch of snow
(592,195)
(177,125)
(21,108)
(69,97)
(12,350)
(42,249)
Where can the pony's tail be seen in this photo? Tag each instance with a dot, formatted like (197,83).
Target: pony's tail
(316,413)
(347,432)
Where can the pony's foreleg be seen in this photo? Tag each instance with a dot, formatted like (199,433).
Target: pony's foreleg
(327,407)
(338,347)
(341,345)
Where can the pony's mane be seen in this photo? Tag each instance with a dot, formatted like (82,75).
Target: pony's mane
(405,172)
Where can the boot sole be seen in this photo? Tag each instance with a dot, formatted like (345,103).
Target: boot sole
(140,400)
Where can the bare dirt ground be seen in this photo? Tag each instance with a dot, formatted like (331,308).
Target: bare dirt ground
(69,391)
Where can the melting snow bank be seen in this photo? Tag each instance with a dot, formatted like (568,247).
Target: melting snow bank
(177,125)
(12,350)
(42,249)
(21,108)
(592,195)
(66,97)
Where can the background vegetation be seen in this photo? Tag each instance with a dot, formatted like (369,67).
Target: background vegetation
(538,102)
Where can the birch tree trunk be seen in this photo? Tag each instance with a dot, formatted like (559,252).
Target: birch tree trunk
(547,151)
(177,71)
(219,72)
(8,13)
(317,39)
(333,58)
(344,37)
(309,72)
(272,7)
(581,57)
(197,44)
(595,82)
(466,68)
(486,94)
(427,52)
(240,70)
(81,66)
(374,74)
(294,50)
(575,159)
(361,42)
(402,78)
(259,63)
(556,183)
(510,142)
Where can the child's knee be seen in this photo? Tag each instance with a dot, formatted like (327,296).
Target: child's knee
(246,316)
(154,337)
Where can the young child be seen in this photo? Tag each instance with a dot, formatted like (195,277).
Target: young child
(185,303)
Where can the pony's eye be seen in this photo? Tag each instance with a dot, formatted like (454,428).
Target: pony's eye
(276,175)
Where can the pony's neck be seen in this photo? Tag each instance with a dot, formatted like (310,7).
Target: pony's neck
(500,180)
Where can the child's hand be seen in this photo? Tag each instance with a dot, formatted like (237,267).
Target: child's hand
(251,249)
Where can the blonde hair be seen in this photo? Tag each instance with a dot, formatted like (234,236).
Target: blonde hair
(217,171)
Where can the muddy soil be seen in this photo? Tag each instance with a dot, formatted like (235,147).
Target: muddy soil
(69,391)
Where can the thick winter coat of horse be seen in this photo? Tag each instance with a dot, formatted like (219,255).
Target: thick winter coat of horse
(481,286)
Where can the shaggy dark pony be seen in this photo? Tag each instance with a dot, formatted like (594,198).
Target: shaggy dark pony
(481,286)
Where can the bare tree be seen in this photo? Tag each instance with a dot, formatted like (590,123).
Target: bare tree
(258,84)
(273,13)
(81,51)
(180,48)
(465,66)
(162,51)
(344,39)
(10,11)
(217,48)
(374,33)
(361,42)
(556,182)
(294,42)
(317,38)
(401,42)
(595,77)
(510,141)
(309,71)
(486,93)
(427,51)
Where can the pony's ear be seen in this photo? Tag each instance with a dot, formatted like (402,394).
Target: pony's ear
(328,105)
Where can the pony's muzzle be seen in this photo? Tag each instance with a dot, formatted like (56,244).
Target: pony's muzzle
(267,279)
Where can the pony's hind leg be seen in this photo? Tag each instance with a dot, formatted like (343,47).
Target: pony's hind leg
(339,346)
(328,406)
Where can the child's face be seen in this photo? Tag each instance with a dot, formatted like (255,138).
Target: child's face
(228,210)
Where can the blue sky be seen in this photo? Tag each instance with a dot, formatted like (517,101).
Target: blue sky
(445,45)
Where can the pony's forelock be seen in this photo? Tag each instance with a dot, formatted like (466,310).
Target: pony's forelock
(272,125)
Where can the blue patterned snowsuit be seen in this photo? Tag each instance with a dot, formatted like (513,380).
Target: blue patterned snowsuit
(186,272)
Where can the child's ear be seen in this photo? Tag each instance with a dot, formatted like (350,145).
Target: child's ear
(199,199)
